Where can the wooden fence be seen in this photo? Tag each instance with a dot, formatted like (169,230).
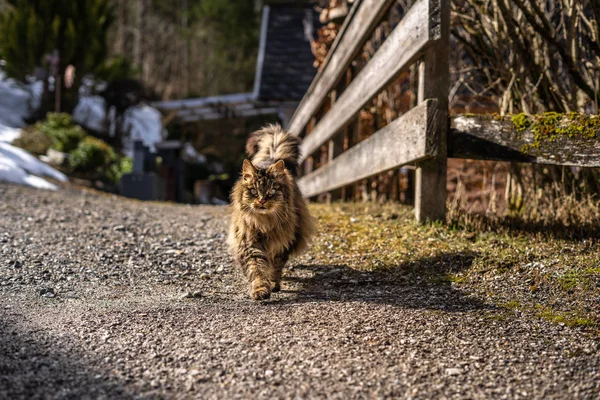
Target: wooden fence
(418,136)
(422,136)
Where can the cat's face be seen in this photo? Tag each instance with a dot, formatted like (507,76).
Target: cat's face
(263,189)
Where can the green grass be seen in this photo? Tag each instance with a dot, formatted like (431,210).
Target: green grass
(585,277)
(572,319)
(511,305)
(372,237)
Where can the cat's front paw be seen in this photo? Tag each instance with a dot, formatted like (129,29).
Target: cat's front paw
(261,292)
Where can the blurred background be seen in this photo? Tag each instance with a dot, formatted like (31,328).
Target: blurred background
(154,99)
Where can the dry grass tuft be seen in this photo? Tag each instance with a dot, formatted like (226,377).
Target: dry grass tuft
(546,258)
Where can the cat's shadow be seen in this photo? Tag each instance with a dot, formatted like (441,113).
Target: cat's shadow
(425,283)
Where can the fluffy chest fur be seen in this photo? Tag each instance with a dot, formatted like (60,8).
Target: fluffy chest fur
(275,234)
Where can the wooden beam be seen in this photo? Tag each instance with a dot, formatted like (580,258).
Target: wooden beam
(203,101)
(358,25)
(406,42)
(240,114)
(485,138)
(434,77)
(403,141)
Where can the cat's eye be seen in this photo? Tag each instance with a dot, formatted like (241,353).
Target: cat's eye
(254,192)
(272,191)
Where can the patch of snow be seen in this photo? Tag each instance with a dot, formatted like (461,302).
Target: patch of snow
(142,123)
(18,100)
(37,90)
(10,172)
(8,134)
(139,123)
(90,113)
(28,163)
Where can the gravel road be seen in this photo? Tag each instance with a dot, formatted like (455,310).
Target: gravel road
(107,298)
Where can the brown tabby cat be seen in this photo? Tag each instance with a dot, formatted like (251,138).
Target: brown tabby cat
(270,220)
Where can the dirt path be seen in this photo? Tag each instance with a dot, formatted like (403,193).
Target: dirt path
(93,305)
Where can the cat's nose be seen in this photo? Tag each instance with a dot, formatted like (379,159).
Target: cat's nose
(262,201)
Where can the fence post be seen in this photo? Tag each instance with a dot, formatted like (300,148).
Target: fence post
(335,148)
(430,191)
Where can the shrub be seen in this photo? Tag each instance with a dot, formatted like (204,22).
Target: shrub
(33,140)
(60,129)
(119,166)
(88,156)
(95,156)
(91,155)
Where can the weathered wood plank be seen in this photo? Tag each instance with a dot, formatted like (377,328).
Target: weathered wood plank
(402,141)
(203,101)
(484,138)
(406,42)
(361,21)
(231,114)
(434,77)
(336,147)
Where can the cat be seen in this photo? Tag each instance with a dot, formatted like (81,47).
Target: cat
(270,219)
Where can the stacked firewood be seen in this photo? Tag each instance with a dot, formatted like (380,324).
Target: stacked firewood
(333,10)
(332,14)
(325,38)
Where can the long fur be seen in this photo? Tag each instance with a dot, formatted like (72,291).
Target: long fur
(270,144)
(262,239)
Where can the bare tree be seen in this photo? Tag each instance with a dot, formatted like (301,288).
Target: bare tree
(531,55)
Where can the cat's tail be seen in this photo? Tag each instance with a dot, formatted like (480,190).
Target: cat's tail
(271,144)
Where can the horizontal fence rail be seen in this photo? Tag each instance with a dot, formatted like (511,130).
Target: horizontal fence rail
(424,136)
(359,23)
(487,138)
(418,137)
(407,41)
(405,140)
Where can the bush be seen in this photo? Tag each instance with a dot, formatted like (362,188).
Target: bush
(60,129)
(33,140)
(91,155)
(118,167)
(88,156)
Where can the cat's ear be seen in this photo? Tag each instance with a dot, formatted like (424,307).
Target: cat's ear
(248,170)
(277,168)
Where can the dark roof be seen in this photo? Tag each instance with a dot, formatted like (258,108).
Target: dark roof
(287,67)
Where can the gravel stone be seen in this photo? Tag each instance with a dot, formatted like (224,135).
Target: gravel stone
(126,332)
(47,292)
(454,371)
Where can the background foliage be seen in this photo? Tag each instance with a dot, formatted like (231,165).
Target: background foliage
(33,29)
(186,48)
